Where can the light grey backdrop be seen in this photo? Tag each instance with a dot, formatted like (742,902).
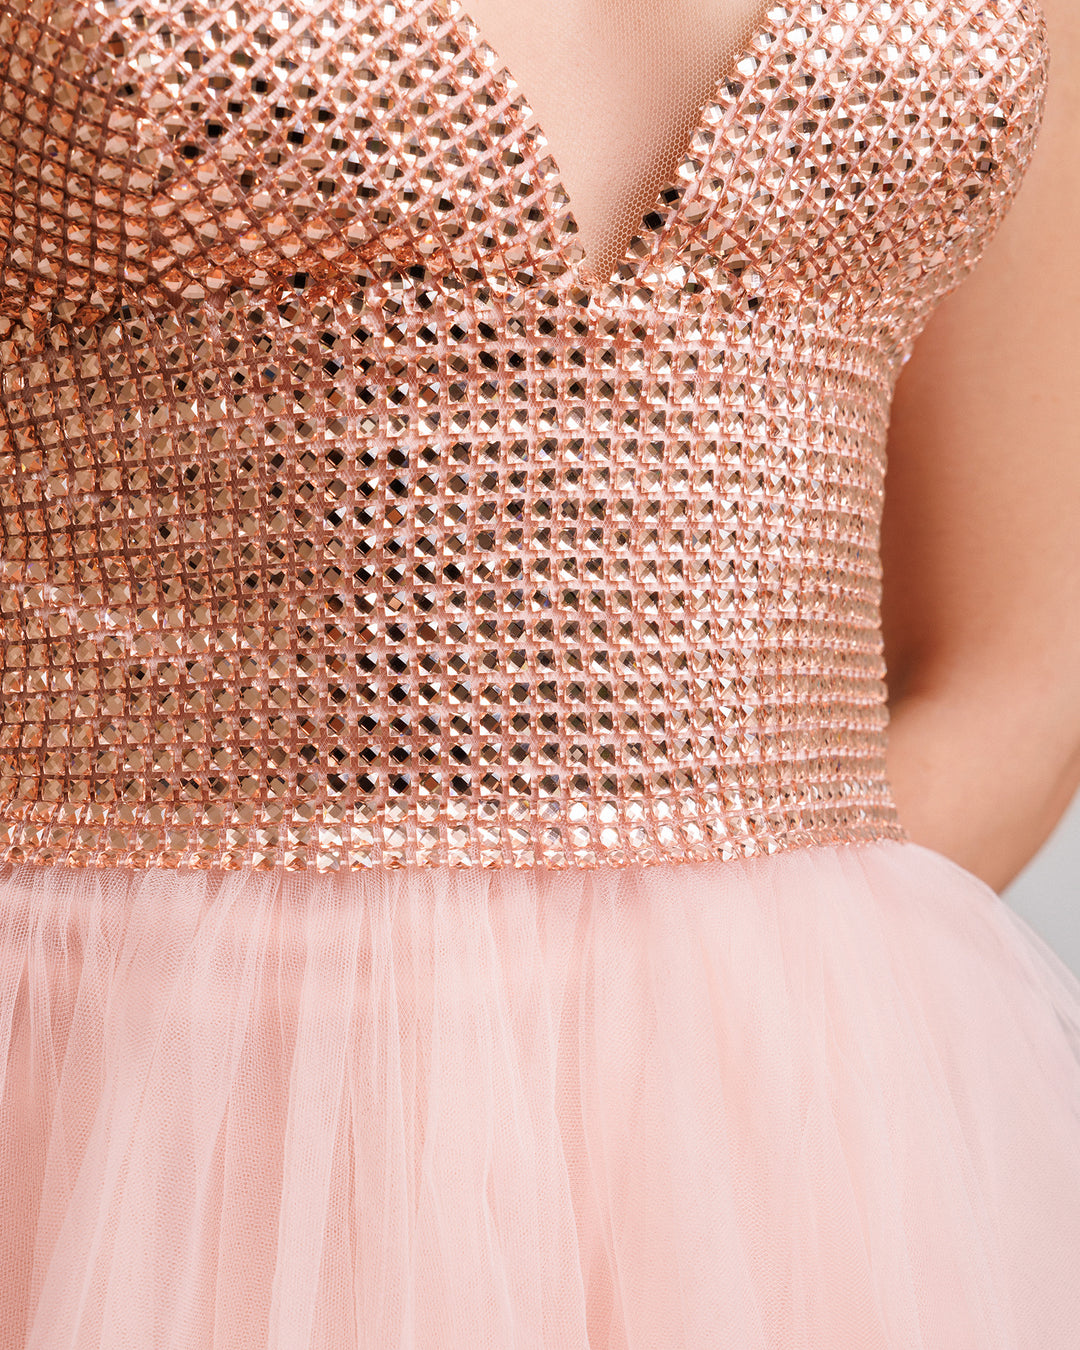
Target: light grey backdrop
(1047,892)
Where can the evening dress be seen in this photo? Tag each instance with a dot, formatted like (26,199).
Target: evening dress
(450,890)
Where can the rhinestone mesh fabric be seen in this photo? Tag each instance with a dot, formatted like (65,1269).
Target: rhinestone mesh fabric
(345,520)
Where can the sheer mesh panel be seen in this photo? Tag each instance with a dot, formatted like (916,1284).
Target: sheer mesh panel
(617,88)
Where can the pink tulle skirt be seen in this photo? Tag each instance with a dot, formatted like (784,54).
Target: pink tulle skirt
(828,1100)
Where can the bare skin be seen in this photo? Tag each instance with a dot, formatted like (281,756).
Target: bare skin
(980,543)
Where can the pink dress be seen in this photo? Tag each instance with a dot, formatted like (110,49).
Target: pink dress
(450,893)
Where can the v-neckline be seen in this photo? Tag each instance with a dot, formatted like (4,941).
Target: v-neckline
(575,260)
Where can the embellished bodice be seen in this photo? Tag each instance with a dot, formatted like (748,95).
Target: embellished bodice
(351,513)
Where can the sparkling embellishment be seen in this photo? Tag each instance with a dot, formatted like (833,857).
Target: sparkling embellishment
(342,523)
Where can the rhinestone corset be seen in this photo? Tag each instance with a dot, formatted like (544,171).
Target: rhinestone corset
(347,518)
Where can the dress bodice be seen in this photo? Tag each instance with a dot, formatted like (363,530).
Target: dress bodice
(351,514)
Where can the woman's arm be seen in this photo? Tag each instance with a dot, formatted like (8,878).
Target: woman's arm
(981,532)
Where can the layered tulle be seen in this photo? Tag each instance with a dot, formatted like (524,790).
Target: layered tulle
(828,1100)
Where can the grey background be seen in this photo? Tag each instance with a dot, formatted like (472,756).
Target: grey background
(1046,894)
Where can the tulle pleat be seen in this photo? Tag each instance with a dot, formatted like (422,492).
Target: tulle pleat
(828,1100)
